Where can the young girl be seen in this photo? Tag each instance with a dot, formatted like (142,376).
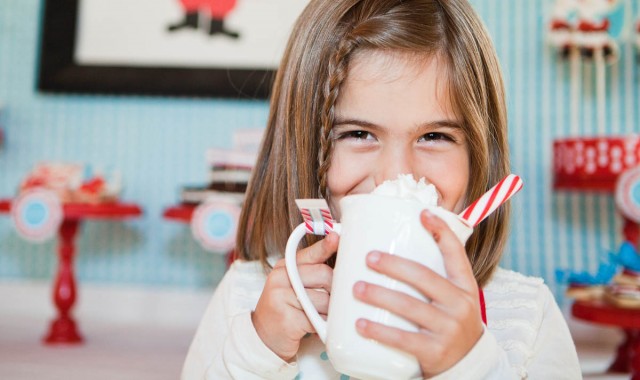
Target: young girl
(367,90)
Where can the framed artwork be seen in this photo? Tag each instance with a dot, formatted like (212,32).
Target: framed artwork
(201,48)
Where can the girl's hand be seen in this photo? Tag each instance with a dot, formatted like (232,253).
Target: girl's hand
(449,325)
(279,319)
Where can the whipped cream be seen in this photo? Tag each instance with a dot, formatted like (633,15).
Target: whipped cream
(406,187)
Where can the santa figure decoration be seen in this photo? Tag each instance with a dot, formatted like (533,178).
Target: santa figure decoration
(562,26)
(206,14)
(598,22)
(590,26)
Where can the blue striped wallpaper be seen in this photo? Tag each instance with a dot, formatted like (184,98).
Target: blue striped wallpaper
(159,144)
(556,229)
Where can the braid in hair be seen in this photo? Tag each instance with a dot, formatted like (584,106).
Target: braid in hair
(337,73)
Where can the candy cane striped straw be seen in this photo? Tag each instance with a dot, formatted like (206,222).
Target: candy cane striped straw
(316,215)
(492,199)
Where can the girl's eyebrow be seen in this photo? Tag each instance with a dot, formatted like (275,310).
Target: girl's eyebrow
(430,124)
(454,124)
(353,121)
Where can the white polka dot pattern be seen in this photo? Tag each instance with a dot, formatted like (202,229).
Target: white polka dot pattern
(593,163)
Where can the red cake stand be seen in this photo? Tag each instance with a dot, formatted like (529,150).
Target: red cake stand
(627,359)
(183,213)
(63,328)
(609,165)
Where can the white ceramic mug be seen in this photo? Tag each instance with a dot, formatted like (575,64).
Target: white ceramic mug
(381,223)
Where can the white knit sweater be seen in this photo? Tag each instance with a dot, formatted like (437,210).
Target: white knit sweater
(526,336)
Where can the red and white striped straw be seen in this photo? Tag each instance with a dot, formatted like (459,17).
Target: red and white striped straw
(316,215)
(492,199)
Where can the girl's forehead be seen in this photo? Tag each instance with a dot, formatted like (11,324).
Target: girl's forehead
(387,66)
(383,66)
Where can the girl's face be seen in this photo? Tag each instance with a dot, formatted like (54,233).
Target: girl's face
(393,116)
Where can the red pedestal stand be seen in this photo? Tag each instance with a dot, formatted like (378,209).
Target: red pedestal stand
(627,358)
(596,164)
(63,328)
(180,213)
(183,213)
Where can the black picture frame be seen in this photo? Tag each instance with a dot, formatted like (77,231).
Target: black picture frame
(59,73)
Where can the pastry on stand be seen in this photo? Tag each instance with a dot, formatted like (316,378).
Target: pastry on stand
(73,183)
(583,286)
(213,209)
(623,295)
(54,199)
(584,292)
(624,290)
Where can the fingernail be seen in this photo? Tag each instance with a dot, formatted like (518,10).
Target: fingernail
(330,238)
(373,257)
(359,288)
(361,324)
(427,214)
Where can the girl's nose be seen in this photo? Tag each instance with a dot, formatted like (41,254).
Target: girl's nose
(393,162)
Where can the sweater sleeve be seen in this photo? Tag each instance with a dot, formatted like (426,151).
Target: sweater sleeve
(486,360)
(226,344)
(554,354)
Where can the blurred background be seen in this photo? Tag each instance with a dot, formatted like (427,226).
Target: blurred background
(158,144)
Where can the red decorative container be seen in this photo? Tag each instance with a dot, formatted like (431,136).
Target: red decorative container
(593,163)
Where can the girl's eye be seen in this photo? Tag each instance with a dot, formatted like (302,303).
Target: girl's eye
(357,135)
(435,136)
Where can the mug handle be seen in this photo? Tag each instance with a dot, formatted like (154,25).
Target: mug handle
(290,255)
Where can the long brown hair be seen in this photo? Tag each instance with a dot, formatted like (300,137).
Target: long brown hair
(296,149)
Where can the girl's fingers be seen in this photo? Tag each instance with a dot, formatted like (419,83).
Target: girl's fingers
(435,350)
(318,297)
(281,307)
(314,276)
(429,283)
(423,314)
(320,300)
(413,343)
(456,262)
(319,252)
(278,316)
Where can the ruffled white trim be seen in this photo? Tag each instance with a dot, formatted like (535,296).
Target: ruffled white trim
(524,326)
(514,313)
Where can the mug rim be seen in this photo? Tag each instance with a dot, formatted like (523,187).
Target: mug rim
(441,212)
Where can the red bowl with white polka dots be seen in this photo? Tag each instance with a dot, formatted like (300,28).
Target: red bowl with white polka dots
(593,163)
